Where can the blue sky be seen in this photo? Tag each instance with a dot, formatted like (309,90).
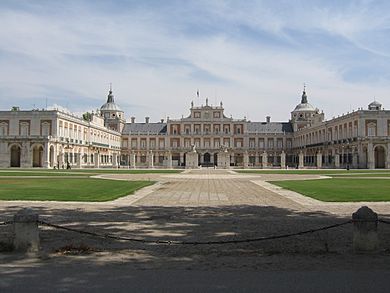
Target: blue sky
(252,55)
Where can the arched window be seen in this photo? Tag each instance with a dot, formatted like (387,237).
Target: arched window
(371,129)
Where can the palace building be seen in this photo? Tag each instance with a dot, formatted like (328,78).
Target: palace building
(206,137)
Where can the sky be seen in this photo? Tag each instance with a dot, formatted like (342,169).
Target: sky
(254,56)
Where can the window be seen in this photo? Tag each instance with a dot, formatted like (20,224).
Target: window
(261,143)
(217,115)
(24,128)
(196,114)
(270,143)
(3,128)
(371,129)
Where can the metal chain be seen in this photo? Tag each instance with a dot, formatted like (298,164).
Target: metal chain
(176,242)
(6,223)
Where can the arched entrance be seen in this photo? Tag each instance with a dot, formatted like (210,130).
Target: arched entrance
(37,156)
(15,156)
(380,158)
(206,159)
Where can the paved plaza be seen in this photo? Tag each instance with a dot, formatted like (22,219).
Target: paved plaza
(198,205)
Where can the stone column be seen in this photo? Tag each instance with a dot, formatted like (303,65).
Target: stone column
(319,160)
(337,160)
(301,160)
(26,233)
(245,160)
(79,157)
(388,156)
(151,160)
(370,156)
(5,155)
(354,159)
(97,160)
(115,160)
(256,158)
(46,153)
(264,159)
(181,158)
(169,165)
(365,234)
(192,160)
(283,160)
(132,160)
(223,159)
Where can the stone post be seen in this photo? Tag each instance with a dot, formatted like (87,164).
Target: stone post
(169,160)
(96,160)
(132,160)
(245,160)
(151,160)
(355,159)
(370,156)
(264,159)
(79,157)
(319,160)
(301,163)
(283,160)
(26,233)
(337,160)
(365,234)
(388,156)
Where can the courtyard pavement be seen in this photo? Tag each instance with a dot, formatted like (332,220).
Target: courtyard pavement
(197,205)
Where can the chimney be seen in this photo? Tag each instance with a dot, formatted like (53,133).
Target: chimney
(147,120)
(268,119)
(162,120)
(132,119)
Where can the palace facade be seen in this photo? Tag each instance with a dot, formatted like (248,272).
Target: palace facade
(206,137)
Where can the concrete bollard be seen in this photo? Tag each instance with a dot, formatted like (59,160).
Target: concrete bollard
(26,233)
(365,230)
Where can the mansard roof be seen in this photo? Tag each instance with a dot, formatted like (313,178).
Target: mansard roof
(145,128)
(271,127)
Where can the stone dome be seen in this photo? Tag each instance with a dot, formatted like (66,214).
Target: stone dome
(110,105)
(375,105)
(304,105)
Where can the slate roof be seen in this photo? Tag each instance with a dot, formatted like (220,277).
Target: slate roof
(272,127)
(145,128)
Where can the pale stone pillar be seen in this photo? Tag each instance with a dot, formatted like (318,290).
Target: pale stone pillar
(79,158)
(223,159)
(151,160)
(355,159)
(256,158)
(337,160)
(115,160)
(5,155)
(26,233)
(169,160)
(370,156)
(132,160)
(46,154)
(264,159)
(300,160)
(388,156)
(245,160)
(97,160)
(192,160)
(25,156)
(365,230)
(283,160)
(319,160)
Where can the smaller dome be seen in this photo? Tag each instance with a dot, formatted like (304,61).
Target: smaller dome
(374,105)
(110,104)
(110,107)
(304,107)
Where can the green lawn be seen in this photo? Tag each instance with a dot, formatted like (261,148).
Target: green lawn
(313,171)
(340,189)
(81,172)
(67,189)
